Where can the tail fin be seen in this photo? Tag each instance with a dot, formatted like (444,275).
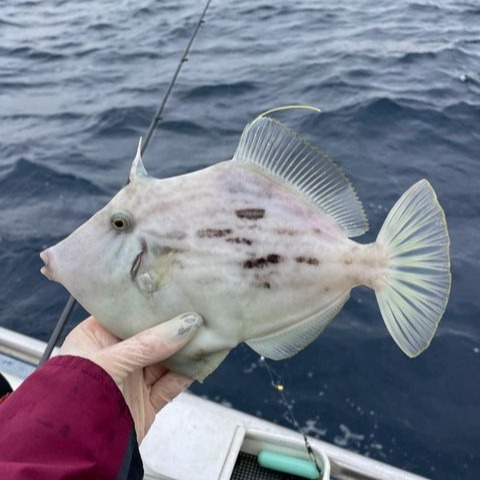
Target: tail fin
(416,294)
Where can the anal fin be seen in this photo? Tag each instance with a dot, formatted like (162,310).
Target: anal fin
(289,341)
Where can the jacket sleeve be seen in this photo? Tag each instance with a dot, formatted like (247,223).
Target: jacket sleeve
(68,421)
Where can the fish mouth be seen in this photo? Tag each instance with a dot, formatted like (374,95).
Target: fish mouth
(137,263)
(45,270)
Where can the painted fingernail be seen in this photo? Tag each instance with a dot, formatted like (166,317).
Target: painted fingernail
(190,322)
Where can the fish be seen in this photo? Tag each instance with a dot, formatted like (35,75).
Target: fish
(261,247)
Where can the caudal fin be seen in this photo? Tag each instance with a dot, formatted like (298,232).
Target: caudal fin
(416,294)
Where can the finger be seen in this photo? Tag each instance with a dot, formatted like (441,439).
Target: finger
(153,373)
(167,388)
(100,333)
(79,336)
(87,337)
(149,347)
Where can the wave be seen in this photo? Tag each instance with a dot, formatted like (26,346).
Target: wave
(441,138)
(29,180)
(222,89)
(381,109)
(61,116)
(101,26)
(375,110)
(183,126)
(411,57)
(35,54)
(9,23)
(121,121)
(424,7)
(17,85)
(446,53)
(143,12)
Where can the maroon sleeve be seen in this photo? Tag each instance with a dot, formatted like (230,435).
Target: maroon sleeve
(68,421)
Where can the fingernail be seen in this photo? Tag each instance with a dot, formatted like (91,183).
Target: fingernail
(189,323)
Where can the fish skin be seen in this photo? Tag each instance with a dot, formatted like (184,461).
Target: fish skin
(255,257)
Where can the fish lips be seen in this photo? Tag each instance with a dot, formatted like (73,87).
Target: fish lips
(47,268)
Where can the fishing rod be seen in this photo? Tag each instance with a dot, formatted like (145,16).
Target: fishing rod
(71,303)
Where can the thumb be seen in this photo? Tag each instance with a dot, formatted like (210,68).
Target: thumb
(148,347)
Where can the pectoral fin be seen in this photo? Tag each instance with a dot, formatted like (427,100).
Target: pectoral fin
(291,340)
(158,275)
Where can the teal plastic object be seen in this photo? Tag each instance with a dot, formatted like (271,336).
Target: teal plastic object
(284,463)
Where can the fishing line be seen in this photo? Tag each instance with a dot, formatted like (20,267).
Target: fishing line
(71,302)
(278,384)
(289,107)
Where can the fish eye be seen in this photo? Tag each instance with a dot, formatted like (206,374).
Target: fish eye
(121,221)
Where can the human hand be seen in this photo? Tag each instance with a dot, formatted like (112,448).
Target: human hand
(134,364)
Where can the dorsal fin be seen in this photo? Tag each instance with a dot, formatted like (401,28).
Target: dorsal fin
(273,147)
(137,170)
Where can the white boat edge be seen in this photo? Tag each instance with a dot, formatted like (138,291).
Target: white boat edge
(183,441)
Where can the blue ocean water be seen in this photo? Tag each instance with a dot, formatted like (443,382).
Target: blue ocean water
(398,84)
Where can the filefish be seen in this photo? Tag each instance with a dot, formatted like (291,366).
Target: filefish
(260,246)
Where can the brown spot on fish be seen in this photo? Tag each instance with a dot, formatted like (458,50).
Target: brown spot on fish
(327,289)
(307,260)
(250,213)
(239,240)
(214,232)
(255,263)
(262,262)
(265,285)
(348,261)
(273,258)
